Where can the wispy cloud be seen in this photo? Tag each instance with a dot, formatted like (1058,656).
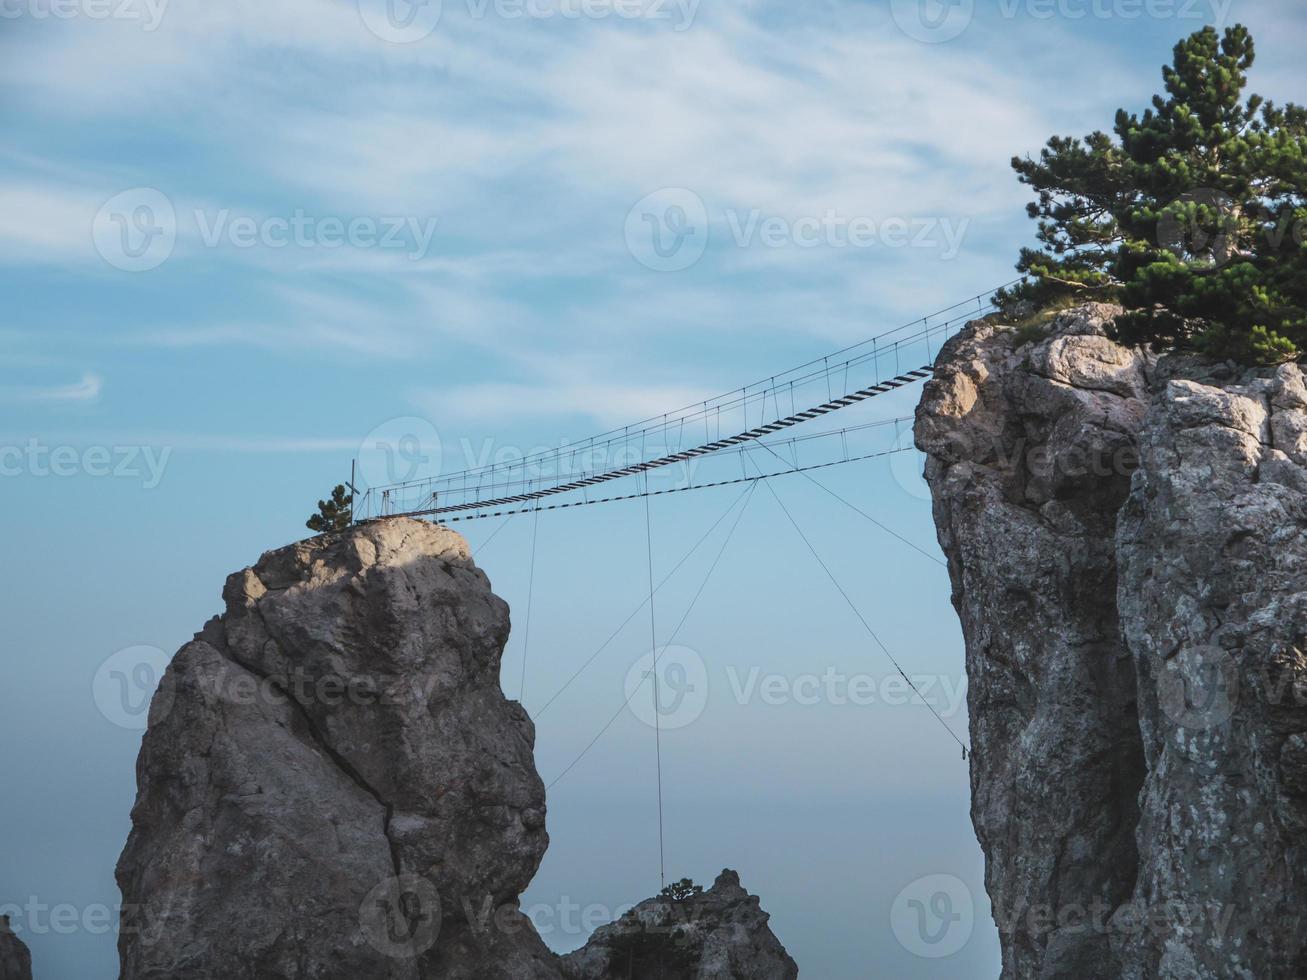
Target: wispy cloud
(196,441)
(605,404)
(530,142)
(46,221)
(86,390)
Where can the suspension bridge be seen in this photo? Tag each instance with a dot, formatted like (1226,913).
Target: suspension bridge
(745,429)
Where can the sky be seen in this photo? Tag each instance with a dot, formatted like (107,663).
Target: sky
(243,244)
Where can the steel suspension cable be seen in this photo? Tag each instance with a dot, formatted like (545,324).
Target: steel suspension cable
(636,611)
(697,486)
(530,596)
(657,699)
(892,533)
(751,435)
(747,497)
(702,408)
(862,619)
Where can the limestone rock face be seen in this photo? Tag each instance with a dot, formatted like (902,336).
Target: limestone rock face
(721,934)
(332,784)
(15,960)
(1127,541)
(1013,440)
(1212,547)
(336,739)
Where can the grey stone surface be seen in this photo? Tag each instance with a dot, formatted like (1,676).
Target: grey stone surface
(339,726)
(721,934)
(332,783)
(15,959)
(1212,548)
(1126,540)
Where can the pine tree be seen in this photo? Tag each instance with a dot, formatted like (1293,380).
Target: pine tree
(680,891)
(334,514)
(1193,217)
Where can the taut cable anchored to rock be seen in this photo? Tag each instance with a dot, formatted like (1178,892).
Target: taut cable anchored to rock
(380,816)
(1127,543)
(681,457)
(759,409)
(527,486)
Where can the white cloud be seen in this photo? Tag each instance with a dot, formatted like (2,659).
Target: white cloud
(46,221)
(86,390)
(606,403)
(197,441)
(530,142)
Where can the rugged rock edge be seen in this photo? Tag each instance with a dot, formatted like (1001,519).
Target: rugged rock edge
(1127,540)
(15,958)
(332,784)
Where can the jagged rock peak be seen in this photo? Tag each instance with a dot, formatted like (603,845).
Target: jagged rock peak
(15,959)
(718,934)
(332,783)
(1127,541)
(330,766)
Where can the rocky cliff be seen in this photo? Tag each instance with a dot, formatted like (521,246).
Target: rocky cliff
(15,960)
(332,784)
(721,932)
(1127,541)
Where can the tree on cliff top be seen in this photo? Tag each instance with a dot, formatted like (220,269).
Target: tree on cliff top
(1193,217)
(334,514)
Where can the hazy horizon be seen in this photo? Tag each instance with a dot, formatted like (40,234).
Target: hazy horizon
(441,233)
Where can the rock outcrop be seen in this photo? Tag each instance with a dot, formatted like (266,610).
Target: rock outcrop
(1127,541)
(332,784)
(719,934)
(15,959)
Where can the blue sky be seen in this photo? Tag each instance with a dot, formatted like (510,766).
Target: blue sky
(172,404)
